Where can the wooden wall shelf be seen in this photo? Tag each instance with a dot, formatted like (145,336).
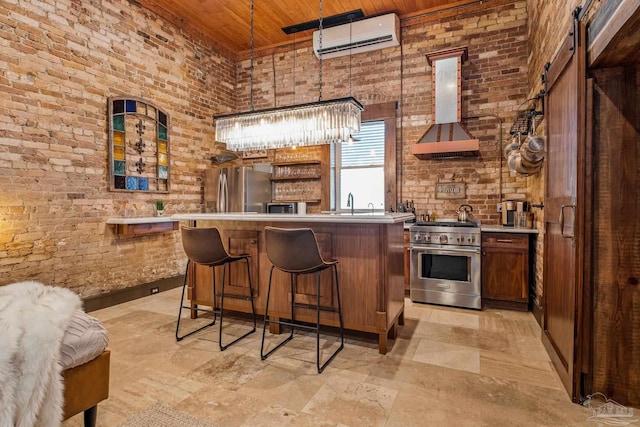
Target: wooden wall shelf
(141,226)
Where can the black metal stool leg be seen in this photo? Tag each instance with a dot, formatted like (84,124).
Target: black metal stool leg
(253,306)
(293,299)
(321,368)
(224,270)
(335,270)
(263,356)
(318,323)
(215,301)
(182,306)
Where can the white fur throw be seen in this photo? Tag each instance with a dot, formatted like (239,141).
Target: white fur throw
(33,320)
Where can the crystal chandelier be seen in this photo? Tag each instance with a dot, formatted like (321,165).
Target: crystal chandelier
(314,123)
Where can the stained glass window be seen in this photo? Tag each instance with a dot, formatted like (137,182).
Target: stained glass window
(139,146)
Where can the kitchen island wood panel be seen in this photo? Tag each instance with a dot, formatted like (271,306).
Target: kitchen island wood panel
(370,270)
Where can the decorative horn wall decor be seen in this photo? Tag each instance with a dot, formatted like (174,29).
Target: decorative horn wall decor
(225,156)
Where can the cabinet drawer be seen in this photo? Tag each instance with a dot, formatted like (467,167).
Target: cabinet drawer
(505,240)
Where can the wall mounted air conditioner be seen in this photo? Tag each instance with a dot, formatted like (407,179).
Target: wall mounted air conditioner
(369,34)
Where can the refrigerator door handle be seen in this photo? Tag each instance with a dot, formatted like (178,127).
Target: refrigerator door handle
(225,195)
(219,191)
(220,198)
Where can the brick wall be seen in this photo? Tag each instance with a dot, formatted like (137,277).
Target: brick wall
(494,83)
(59,61)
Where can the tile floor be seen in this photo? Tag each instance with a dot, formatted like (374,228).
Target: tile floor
(448,367)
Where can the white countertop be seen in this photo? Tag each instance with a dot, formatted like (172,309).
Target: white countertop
(501,229)
(141,220)
(358,217)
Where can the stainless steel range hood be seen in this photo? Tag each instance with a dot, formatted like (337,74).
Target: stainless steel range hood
(447,137)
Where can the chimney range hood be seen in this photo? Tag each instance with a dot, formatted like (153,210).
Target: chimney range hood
(447,137)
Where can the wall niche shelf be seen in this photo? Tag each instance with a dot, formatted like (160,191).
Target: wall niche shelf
(143,225)
(295,181)
(139,149)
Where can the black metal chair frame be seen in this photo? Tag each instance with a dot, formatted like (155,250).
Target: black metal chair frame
(218,311)
(296,325)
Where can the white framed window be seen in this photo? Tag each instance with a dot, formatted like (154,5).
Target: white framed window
(358,168)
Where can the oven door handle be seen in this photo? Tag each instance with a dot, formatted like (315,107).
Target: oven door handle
(447,251)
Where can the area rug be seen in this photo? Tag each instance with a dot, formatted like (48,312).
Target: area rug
(159,415)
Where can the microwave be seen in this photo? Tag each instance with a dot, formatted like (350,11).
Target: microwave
(281,208)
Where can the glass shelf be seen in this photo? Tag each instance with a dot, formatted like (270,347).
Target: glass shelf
(297,162)
(296,201)
(294,178)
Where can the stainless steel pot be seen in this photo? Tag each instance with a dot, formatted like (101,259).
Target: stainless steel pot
(464,213)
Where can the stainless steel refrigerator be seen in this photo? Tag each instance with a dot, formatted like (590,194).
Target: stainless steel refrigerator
(236,189)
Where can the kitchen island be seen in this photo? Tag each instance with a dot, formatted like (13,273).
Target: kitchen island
(369,248)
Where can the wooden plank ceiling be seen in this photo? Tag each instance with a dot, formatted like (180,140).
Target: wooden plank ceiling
(227,21)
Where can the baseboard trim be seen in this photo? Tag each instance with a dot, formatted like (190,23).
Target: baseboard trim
(537,313)
(108,299)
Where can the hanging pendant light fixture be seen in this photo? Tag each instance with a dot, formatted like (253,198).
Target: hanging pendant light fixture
(351,140)
(314,123)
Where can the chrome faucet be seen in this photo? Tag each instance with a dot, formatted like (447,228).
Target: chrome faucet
(371,204)
(350,202)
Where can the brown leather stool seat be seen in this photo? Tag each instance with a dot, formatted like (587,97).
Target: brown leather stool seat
(204,246)
(295,251)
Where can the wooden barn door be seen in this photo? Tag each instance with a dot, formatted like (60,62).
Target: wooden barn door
(565,183)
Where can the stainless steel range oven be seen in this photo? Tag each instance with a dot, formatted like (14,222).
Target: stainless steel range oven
(445,263)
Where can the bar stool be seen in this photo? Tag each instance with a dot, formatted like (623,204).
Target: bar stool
(295,251)
(204,246)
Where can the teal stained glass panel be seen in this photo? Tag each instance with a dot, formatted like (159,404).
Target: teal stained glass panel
(162,132)
(118,167)
(118,122)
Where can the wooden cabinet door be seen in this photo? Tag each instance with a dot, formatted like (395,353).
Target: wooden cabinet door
(505,270)
(564,206)
(241,242)
(502,276)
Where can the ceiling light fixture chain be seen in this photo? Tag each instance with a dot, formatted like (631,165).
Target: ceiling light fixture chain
(350,44)
(251,55)
(320,37)
(295,53)
(314,123)
(275,84)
